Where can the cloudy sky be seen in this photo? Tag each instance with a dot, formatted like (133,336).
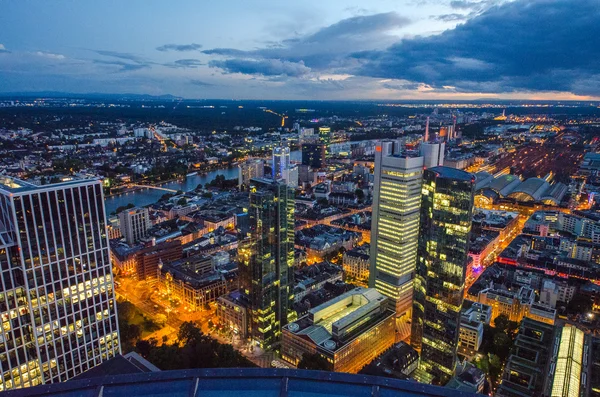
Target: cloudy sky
(309,49)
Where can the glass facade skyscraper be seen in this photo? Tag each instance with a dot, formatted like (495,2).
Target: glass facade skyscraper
(267,260)
(395,225)
(57,301)
(445,225)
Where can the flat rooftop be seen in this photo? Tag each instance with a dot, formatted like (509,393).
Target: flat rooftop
(251,382)
(15,185)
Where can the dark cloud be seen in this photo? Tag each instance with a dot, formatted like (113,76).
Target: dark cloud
(474,5)
(327,48)
(179,47)
(123,66)
(201,83)
(264,67)
(185,63)
(545,45)
(450,17)
(126,62)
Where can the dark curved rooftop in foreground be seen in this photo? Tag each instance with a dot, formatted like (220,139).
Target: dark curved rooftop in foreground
(238,382)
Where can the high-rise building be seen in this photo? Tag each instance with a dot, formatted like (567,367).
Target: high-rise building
(267,260)
(325,137)
(253,168)
(281,162)
(56,301)
(445,225)
(432,152)
(313,155)
(134,224)
(395,225)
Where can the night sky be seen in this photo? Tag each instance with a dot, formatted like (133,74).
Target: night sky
(309,49)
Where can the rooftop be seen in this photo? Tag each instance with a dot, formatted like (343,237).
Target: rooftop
(250,382)
(15,185)
(453,173)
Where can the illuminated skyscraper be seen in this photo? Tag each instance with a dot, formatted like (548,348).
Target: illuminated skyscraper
(395,225)
(325,138)
(281,162)
(267,260)
(56,301)
(445,225)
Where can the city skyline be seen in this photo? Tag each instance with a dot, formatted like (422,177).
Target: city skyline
(335,50)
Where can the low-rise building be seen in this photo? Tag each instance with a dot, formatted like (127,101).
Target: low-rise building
(193,282)
(399,361)
(232,312)
(349,331)
(481,248)
(356,265)
(469,379)
(314,277)
(470,336)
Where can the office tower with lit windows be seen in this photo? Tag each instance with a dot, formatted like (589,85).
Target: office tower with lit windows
(281,162)
(313,155)
(267,260)
(445,225)
(325,137)
(134,224)
(57,302)
(253,168)
(395,224)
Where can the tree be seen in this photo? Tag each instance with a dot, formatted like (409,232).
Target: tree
(580,304)
(314,361)
(502,345)
(194,349)
(501,322)
(495,367)
(124,207)
(182,201)
(360,195)
(323,202)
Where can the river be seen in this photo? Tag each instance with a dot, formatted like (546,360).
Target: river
(143,197)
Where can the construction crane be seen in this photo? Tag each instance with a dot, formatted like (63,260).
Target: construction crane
(283,117)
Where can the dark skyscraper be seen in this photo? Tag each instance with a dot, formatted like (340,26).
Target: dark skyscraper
(313,154)
(267,259)
(446,212)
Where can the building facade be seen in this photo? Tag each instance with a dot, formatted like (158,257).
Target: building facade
(253,168)
(57,301)
(313,155)
(395,225)
(267,260)
(349,331)
(134,223)
(445,225)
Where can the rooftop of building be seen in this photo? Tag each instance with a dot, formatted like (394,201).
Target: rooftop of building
(14,185)
(130,363)
(452,173)
(479,241)
(316,273)
(393,362)
(225,382)
(325,324)
(529,356)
